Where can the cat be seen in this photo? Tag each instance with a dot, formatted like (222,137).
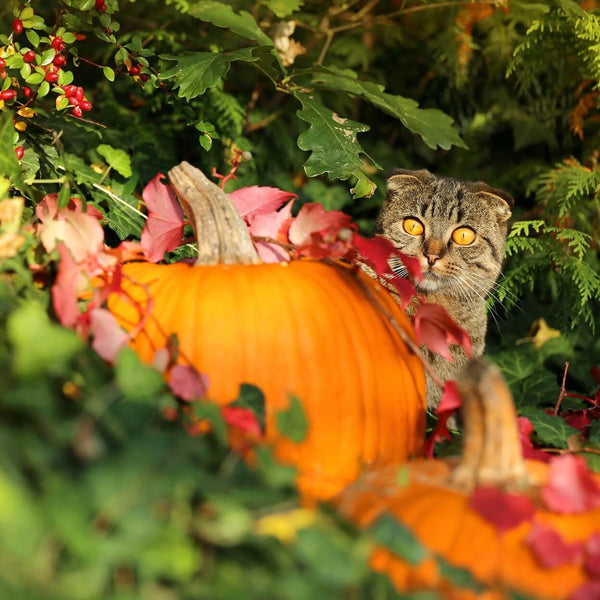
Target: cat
(457,230)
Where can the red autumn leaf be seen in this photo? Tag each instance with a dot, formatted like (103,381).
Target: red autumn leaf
(242,418)
(571,487)
(504,510)
(314,219)
(550,549)
(268,225)
(254,200)
(187,383)
(65,290)
(164,227)
(109,337)
(449,404)
(591,559)
(588,591)
(529,450)
(578,419)
(377,252)
(435,329)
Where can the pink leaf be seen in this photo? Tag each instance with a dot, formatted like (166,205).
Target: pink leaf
(435,329)
(268,225)
(592,555)
(504,510)
(314,219)
(550,549)
(529,450)
(65,290)
(48,208)
(80,232)
(164,227)
(572,487)
(449,404)
(187,383)
(109,338)
(255,200)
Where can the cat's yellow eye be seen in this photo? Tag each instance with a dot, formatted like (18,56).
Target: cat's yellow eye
(413,226)
(463,236)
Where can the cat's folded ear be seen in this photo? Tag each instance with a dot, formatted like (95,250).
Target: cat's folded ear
(399,179)
(501,200)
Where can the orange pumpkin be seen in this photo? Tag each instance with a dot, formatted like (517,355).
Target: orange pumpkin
(315,330)
(436,506)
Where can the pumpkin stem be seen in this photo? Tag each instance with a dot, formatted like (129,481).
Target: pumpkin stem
(492,452)
(219,230)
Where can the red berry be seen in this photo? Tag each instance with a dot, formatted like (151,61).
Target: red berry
(135,70)
(17,26)
(69,90)
(73,101)
(27,92)
(85,105)
(80,37)
(29,56)
(8,94)
(100,5)
(77,111)
(59,60)
(79,93)
(51,77)
(144,77)
(56,42)
(2,63)
(19,151)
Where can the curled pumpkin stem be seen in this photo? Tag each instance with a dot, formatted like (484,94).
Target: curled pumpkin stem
(491,444)
(220,232)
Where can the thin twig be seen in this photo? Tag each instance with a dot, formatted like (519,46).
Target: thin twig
(563,391)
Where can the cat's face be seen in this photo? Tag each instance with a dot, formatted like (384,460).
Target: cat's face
(456,229)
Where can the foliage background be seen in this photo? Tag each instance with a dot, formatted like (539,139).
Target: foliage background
(102,497)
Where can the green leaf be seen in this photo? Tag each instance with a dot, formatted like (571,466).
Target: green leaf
(461,578)
(39,346)
(136,380)
(433,125)
(332,141)
(388,532)
(283,8)
(195,73)
(222,15)
(292,422)
(9,165)
(594,435)
(108,73)
(118,159)
(549,429)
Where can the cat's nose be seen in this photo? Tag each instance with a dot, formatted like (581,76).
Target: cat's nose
(432,259)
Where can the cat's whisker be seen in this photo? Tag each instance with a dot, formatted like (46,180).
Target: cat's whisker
(470,282)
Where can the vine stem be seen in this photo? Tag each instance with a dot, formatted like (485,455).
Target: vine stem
(563,391)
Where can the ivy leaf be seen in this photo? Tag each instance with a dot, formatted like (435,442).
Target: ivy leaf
(252,397)
(292,422)
(164,227)
(571,487)
(433,125)
(116,158)
(504,510)
(549,429)
(195,73)
(186,383)
(332,141)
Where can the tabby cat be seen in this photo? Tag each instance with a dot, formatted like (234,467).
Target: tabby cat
(457,230)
